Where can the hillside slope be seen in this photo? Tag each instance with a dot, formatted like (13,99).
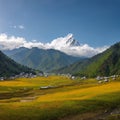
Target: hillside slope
(8,67)
(104,64)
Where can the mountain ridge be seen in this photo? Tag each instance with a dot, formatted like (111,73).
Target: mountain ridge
(45,60)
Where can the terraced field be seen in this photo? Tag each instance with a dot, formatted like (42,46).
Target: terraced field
(59,98)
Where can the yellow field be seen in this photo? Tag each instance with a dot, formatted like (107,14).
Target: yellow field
(23,99)
(38,81)
(81,94)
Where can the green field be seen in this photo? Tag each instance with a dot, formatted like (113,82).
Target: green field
(66,99)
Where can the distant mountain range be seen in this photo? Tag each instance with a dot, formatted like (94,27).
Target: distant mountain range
(103,64)
(41,59)
(8,67)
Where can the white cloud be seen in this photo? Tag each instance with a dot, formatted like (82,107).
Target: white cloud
(83,50)
(18,27)
(11,42)
(34,44)
(65,44)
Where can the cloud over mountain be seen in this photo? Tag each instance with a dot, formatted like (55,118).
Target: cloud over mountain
(65,44)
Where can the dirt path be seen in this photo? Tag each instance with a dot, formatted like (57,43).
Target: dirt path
(28,99)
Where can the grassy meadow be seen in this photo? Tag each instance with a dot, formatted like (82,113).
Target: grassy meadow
(67,99)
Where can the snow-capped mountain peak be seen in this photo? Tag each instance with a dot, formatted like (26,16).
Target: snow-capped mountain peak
(67,41)
(70,41)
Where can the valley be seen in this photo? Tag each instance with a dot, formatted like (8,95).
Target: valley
(59,59)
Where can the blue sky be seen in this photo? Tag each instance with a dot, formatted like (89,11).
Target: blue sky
(94,22)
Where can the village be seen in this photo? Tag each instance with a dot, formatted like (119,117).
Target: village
(22,75)
(100,79)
